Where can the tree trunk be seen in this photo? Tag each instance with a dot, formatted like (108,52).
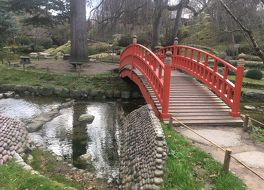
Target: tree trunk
(177,22)
(78,30)
(156,29)
(156,23)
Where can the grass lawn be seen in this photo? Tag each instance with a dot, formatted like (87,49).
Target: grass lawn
(58,175)
(13,177)
(189,168)
(109,81)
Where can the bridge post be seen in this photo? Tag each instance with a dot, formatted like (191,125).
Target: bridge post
(238,86)
(166,87)
(134,41)
(176,41)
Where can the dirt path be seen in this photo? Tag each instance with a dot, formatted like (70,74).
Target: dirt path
(243,148)
(63,66)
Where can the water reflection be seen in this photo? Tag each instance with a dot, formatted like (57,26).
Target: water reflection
(69,138)
(24,109)
(79,135)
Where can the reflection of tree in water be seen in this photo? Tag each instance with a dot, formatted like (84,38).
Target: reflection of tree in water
(79,134)
(109,146)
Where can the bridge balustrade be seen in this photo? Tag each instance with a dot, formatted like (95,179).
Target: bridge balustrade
(210,70)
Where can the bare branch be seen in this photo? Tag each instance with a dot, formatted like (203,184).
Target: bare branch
(259,52)
(95,8)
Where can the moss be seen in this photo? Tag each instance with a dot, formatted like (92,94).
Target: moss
(103,82)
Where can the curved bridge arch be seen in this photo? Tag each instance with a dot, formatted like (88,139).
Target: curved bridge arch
(137,58)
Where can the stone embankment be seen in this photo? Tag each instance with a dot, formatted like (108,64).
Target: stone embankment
(143,151)
(69,93)
(13,138)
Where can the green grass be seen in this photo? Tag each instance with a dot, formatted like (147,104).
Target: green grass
(189,168)
(108,81)
(257,132)
(13,177)
(48,165)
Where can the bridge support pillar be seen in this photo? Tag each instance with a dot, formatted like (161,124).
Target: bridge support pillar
(237,92)
(166,91)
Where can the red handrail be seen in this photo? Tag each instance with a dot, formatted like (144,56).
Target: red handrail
(140,58)
(197,63)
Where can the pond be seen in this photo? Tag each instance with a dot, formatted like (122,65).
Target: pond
(67,137)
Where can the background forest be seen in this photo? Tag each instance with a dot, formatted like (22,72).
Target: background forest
(28,25)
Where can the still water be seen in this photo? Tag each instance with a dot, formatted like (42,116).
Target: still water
(69,138)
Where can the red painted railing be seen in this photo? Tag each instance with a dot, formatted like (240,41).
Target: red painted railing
(139,58)
(210,70)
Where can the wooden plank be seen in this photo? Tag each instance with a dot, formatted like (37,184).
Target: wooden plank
(211,121)
(203,104)
(201,114)
(194,104)
(194,107)
(196,101)
(210,117)
(173,111)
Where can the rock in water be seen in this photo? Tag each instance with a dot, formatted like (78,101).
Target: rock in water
(85,157)
(87,118)
(247,107)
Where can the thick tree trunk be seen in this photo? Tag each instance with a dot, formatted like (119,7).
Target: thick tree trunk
(156,28)
(177,22)
(78,30)
(159,6)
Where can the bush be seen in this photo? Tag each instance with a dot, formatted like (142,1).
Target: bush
(24,40)
(125,40)
(245,48)
(231,51)
(23,49)
(254,74)
(99,47)
(143,39)
(184,32)
(252,58)
(45,42)
(238,38)
(205,48)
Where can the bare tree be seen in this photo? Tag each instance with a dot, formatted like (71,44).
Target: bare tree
(255,45)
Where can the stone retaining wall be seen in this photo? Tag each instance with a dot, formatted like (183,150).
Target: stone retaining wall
(143,151)
(13,138)
(68,93)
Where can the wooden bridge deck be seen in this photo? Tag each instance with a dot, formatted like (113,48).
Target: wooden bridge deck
(193,103)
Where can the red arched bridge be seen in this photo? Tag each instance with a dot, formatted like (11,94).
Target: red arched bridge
(187,83)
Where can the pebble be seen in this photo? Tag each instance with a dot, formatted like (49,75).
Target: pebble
(143,151)
(13,136)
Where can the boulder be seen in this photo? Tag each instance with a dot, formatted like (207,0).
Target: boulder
(87,118)
(85,157)
(248,107)
(9,94)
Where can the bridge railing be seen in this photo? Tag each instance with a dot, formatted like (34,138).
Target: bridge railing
(209,69)
(158,74)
